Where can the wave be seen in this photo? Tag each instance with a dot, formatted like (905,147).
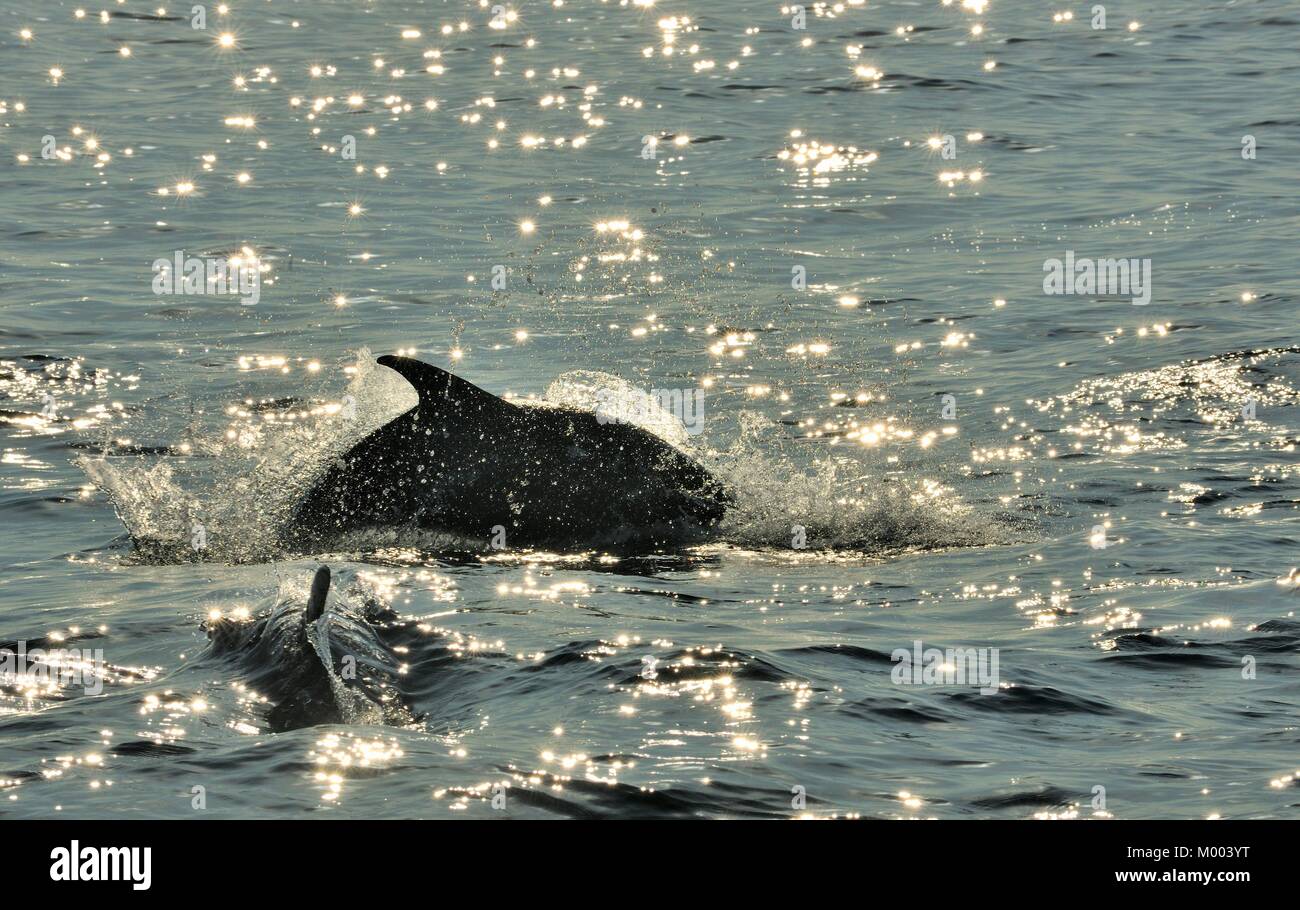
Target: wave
(232,506)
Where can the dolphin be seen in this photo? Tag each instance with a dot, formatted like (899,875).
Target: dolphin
(313,663)
(513,475)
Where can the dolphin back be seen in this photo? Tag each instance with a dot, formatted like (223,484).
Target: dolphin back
(294,659)
(469,463)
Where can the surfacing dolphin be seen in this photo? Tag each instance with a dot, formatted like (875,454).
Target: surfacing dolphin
(467,462)
(317,662)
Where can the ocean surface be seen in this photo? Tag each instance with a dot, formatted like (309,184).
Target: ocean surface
(839,232)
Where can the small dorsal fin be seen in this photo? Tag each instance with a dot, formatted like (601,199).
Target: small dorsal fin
(320,587)
(440,390)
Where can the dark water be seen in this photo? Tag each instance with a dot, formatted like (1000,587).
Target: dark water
(1108,499)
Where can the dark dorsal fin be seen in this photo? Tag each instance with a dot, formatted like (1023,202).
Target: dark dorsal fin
(440,390)
(320,587)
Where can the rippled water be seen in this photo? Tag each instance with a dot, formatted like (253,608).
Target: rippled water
(1108,497)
